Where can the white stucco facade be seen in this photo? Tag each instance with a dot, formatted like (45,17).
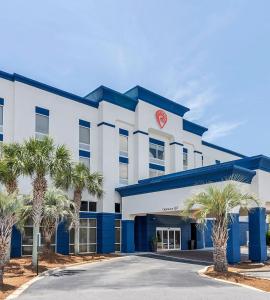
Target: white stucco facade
(107,115)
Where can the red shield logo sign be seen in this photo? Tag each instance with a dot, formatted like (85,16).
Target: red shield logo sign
(161,118)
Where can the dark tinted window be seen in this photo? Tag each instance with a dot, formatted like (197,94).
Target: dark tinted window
(117,208)
(92,206)
(84,206)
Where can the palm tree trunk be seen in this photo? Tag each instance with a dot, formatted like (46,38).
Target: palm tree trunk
(220,237)
(77,204)
(39,190)
(2,268)
(3,258)
(11,187)
(47,247)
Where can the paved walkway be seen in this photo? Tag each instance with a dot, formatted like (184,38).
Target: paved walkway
(135,278)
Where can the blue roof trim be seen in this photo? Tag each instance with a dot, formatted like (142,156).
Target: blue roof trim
(104,93)
(204,175)
(150,97)
(2,101)
(176,143)
(1,137)
(106,124)
(123,160)
(47,88)
(223,149)
(156,167)
(123,131)
(156,142)
(194,128)
(84,123)
(141,132)
(42,111)
(83,153)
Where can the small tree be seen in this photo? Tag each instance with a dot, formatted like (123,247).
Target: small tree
(10,208)
(56,207)
(11,166)
(218,203)
(42,159)
(79,179)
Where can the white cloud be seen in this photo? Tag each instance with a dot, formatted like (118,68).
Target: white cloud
(220,129)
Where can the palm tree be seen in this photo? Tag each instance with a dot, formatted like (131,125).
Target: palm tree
(10,207)
(41,159)
(11,166)
(218,203)
(56,207)
(79,179)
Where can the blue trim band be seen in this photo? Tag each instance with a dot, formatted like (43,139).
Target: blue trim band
(223,149)
(156,142)
(194,128)
(140,93)
(106,124)
(123,160)
(176,143)
(1,137)
(198,152)
(123,131)
(83,153)
(203,175)
(47,88)
(104,93)
(84,123)
(1,101)
(156,167)
(42,111)
(140,131)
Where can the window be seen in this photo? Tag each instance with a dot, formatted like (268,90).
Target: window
(85,161)
(88,206)
(87,236)
(84,142)
(42,123)
(123,145)
(123,156)
(117,207)
(156,152)
(117,243)
(202,160)
(185,158)
(1,115)
(27,239)
(155,173)
(84,135)
(217,162)
(123,173)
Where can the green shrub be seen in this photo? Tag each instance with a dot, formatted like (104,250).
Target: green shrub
(268,237)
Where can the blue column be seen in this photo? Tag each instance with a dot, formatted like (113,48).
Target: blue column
(233,244)
(257,239)
(16,243)
(62,244)
(105,233)
(128,245)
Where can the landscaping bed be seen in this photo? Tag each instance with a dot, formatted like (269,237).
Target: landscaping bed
(238,274)
(19,270)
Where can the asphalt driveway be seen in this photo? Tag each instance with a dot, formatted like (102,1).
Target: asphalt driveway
(135,278)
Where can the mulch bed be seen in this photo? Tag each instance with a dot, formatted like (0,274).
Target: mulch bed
(19,270)
(233,275)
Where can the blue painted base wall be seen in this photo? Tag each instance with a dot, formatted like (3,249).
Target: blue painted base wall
(128,245)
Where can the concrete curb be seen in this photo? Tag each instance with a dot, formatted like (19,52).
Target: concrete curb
(27,284)
(202,274)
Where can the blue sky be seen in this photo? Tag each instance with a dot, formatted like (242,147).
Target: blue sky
(212,56)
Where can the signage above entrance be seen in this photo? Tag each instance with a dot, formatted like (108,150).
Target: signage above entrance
(161,117)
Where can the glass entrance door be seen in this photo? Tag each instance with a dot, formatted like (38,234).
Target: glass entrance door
(168,238)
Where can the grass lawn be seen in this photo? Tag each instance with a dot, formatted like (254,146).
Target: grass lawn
(19,270)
